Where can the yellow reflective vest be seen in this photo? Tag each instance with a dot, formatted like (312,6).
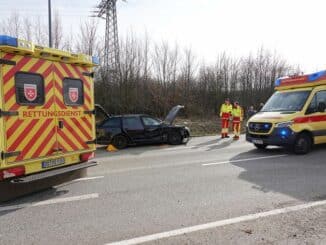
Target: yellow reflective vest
(237,112)
(226,109)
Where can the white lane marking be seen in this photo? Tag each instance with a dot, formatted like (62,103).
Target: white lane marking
(220,223)
(50,202)
(243,160)
(88,178)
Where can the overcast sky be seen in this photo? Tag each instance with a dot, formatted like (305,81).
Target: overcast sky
(293,28)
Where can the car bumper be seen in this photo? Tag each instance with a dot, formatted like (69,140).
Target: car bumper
(279,137)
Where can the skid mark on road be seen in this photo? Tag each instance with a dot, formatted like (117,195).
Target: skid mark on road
(244,160)
(49,202)
(220,223)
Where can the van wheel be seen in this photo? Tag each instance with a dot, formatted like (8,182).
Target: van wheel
(175,138)
(120,142)
(260,147)
(302,144)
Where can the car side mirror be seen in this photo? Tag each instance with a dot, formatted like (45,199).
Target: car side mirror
(321,107)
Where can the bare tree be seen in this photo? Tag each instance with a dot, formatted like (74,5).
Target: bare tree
(12,25)
(87,39)
(39,31)
(27,28)
(57,32)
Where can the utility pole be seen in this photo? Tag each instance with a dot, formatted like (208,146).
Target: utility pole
(50,23)
(107,9)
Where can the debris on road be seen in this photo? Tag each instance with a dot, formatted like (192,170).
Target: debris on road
(247,231)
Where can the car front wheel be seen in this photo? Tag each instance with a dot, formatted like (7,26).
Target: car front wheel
(175,138)
(302,144)
(120,142)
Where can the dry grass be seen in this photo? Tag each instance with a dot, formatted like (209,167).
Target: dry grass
(203,127)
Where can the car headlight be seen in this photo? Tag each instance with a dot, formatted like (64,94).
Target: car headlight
(284,124)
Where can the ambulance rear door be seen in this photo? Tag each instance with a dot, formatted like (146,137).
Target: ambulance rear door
(74,107)
(28,98)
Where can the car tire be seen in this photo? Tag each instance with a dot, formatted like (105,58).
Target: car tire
(175,138)
(302,144)
(260,147)
(120,141)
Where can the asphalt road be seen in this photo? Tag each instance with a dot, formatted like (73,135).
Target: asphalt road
(207,192)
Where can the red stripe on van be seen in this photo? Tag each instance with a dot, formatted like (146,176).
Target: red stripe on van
(310,119)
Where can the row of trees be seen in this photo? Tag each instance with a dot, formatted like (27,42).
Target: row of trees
(157,76)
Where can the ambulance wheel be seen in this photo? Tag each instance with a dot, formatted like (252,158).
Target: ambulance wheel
(302,144)
(120,141)
(260,147)
(175,138)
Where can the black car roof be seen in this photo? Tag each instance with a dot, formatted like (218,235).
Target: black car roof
(129,115)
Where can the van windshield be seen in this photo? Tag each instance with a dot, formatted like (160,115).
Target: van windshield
(286,101)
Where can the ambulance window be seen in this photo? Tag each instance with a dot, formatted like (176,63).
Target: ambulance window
(73,92)
(29,88)
(320,97)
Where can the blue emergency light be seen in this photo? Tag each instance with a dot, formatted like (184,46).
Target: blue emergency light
(316,76)
(278,82)
(8,41)
(266,126)
(95,60)
(284,132)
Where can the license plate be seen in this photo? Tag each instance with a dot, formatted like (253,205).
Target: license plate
(53,162)
(258,142)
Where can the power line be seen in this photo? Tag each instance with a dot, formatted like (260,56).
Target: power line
(107,9)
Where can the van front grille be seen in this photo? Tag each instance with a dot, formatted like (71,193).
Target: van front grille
(257,127)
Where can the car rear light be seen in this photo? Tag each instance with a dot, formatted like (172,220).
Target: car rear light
(87,156)
(12,172)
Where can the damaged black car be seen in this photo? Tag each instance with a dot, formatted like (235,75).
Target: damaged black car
(136,129)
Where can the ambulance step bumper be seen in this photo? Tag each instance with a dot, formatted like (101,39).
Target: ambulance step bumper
(52,173)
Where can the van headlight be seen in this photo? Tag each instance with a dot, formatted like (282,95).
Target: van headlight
(284,124)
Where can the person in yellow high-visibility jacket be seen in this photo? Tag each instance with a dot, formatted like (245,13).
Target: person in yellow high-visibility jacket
(237,118)
(225,115)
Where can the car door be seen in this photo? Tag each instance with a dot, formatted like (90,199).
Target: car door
(134,128)
(153,129)
(108,129)
(317,116)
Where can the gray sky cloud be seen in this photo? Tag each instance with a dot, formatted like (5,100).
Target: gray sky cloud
(293,28)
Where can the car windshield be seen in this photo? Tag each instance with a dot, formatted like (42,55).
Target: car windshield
(149,121)
(286,101)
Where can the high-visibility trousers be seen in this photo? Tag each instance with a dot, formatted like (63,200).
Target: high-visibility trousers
(236,127)
(225,124)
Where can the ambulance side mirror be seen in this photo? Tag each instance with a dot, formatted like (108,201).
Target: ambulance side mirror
(321,107)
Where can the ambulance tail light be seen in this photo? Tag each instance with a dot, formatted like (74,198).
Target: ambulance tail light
(12,172)
(8,41)
(87,156)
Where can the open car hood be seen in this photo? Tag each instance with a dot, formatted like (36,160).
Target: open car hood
(100,110)
(173,114)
